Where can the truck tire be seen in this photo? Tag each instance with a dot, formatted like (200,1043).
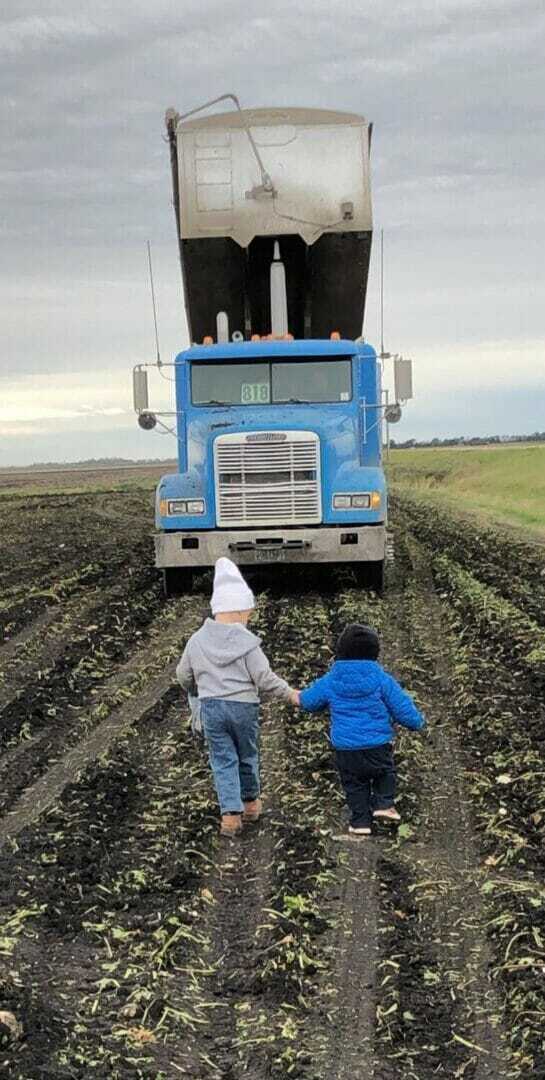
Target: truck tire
(375,576)
(370,575)
(176,581)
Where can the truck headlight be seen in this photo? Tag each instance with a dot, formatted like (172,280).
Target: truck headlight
(183,506)
(176,506)
(361,500)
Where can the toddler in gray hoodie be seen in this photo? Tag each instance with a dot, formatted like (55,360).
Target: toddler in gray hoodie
(226,664)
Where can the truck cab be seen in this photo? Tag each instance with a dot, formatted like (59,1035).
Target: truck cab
(279,451)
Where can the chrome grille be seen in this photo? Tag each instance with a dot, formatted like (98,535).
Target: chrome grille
(268,478)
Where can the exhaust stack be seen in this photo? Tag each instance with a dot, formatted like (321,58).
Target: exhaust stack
(279,298)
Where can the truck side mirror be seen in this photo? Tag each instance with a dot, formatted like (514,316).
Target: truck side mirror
(403,379)
(392,413)
(147,420)
(140,389)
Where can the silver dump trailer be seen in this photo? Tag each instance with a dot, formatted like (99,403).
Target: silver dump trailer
(248,179)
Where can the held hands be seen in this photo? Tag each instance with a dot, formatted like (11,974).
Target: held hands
(294,697)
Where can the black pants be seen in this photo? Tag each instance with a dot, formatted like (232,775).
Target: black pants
(368,777)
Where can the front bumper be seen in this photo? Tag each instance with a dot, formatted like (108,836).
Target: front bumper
(250,547)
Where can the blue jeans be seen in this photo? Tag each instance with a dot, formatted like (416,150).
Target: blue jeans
(231,730)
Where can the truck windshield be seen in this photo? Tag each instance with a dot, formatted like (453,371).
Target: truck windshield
(271,382)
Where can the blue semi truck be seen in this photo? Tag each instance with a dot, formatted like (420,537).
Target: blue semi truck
(278,402)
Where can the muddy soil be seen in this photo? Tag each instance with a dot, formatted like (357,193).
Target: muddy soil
(136,943)
(56,547)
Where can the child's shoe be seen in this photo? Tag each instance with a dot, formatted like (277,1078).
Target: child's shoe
(252,810)
(231,824)
(390,813)
(359,830)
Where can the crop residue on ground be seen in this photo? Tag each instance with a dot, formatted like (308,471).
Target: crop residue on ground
(135,944)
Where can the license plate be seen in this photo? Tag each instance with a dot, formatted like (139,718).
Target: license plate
(270,555)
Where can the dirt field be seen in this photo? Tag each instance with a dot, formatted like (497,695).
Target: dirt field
(64,481)
(136,944)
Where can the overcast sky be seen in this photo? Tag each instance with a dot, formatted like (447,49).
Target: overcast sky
(455,90)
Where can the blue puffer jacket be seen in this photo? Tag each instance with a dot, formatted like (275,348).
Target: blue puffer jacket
(363,701)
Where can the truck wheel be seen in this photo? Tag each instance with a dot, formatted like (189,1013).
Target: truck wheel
(370,575)
(376,576)
(177,581)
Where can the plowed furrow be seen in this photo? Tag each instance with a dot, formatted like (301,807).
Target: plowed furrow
(150,664)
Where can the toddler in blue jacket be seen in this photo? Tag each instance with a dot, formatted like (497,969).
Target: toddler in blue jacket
(364,702)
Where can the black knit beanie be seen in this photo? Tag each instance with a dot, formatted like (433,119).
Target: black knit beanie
(358,642)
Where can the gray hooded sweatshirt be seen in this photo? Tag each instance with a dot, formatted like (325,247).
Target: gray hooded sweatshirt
(224,660)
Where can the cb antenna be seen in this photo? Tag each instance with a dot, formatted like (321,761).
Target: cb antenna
(154,307)
(383,355)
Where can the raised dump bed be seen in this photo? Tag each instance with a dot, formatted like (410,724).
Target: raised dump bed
(243,180)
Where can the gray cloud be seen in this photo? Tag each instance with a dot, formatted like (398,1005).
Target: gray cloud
(454,88)
(450,86)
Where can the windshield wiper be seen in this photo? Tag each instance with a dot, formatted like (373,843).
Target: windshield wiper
(291,401)
(214,401)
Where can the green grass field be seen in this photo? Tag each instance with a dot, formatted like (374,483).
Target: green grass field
(505,483)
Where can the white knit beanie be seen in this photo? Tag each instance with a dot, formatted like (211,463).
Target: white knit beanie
(231,593)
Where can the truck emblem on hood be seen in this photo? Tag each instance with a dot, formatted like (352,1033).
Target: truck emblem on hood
(267,436)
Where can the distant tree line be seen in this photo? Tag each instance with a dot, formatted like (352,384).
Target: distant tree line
(89,463)
(465,440)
